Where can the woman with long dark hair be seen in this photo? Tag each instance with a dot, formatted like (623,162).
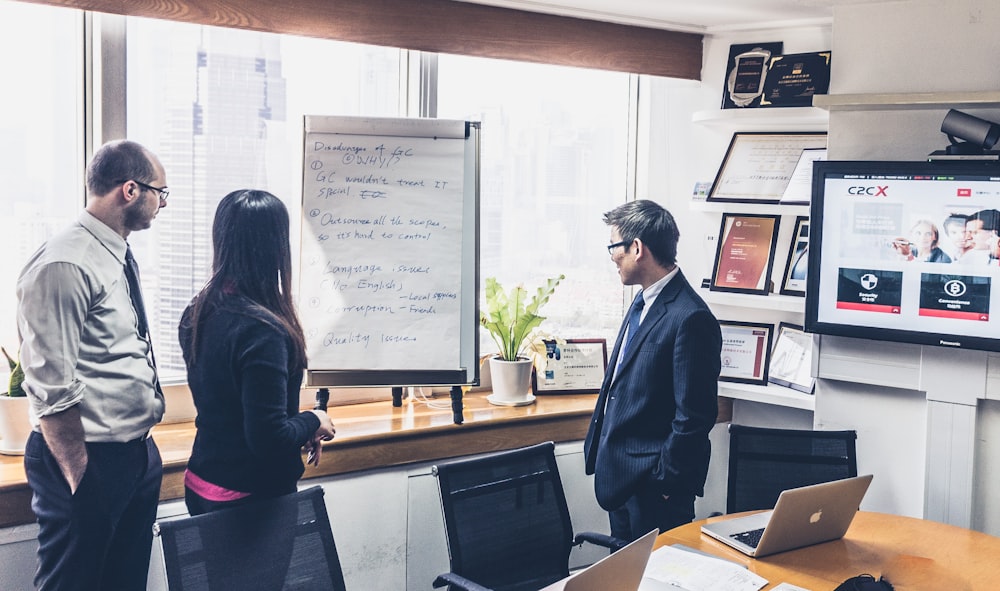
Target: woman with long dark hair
(245,355)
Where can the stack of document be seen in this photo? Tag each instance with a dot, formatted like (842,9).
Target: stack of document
(679,568)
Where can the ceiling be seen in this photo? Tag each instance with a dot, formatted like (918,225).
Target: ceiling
(699,16)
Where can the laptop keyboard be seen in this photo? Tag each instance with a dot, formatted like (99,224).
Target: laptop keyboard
(750,538)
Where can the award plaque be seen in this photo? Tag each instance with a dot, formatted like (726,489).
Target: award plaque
(793,79)
(745,253)
(797,265)
(575,366)
(746,71)
(746,351)
(791,359)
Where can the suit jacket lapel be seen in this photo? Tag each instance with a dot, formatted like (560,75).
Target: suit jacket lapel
(653,316)
(610,371)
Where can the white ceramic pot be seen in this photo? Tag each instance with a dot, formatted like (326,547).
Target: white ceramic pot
(15,426)
(511,381)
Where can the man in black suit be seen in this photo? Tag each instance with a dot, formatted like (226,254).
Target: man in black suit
(648,444)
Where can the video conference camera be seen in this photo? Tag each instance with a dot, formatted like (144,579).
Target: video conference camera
(980,135)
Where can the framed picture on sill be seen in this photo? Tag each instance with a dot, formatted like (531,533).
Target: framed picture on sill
(575,366)
(759,165)
(746,351)
(794,282)
(744,255)
(791,359)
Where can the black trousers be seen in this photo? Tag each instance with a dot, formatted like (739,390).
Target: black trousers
(647,510)
(99,538)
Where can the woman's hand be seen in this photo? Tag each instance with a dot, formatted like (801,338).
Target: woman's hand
(325,432)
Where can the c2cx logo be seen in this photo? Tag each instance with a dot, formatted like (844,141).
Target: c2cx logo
(874,191)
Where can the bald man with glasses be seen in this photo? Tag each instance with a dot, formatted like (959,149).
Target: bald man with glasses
(90,375)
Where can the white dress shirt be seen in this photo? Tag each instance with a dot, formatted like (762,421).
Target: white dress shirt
(80,343)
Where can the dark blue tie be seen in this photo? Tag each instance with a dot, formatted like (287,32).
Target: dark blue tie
(634,315)
(135,293)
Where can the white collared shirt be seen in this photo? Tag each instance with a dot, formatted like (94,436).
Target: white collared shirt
(80,341)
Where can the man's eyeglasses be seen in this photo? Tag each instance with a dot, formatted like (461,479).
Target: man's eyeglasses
(164,193)
(612,247)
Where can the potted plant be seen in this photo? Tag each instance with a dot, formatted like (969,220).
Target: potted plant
(14,423)
(512,320)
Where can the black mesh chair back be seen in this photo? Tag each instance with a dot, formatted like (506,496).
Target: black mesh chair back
(507,520)
(283,544)
(763,462)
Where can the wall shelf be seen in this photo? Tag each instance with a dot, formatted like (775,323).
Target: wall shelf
(773,301)
(769,394)
(765,119)
(900,101)
(763,208)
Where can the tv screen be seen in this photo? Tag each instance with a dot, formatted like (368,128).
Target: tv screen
(906,251)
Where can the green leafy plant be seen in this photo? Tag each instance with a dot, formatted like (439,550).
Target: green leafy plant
(512,318)
(16,376)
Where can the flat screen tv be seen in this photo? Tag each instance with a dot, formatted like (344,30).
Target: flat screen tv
(905,251)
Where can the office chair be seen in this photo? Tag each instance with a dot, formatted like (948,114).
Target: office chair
(763,462)
(507,521)
(282,544)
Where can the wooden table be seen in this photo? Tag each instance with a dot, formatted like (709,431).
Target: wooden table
(912,554)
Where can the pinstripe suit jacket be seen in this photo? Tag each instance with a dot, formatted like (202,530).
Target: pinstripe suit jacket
(651,423)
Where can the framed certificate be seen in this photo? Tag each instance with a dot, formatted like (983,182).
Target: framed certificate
(791,359)
(745,253)
(575,366)
(758,165)
(746,351)
(798,191)
(794,282)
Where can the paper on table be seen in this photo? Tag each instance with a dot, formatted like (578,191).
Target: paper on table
(789,587)
(695,571)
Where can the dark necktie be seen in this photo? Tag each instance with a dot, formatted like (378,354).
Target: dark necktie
(634,315)
(135,293)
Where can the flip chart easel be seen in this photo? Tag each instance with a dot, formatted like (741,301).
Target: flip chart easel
(388,289)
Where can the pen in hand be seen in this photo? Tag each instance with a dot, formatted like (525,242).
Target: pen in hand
(314,447)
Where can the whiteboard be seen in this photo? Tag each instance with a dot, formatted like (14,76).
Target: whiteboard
(388,287)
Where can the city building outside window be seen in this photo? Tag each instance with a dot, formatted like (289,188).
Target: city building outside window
(41,138)
(223,109)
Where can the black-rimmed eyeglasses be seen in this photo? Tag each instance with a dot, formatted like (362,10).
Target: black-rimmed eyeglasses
(612,247)
(163,193)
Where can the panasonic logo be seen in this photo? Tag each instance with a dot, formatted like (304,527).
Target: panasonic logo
(950,343)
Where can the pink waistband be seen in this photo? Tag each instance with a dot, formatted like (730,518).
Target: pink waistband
(209,491)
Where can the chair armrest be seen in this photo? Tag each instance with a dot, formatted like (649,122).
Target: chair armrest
(458,582)
(611,542)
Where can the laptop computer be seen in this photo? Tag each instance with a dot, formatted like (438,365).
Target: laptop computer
(801,517)
(621,570)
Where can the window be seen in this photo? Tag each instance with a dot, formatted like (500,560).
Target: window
(554,159)
(223,109)
(41,139)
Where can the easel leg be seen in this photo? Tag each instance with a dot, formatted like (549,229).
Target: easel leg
(456,404)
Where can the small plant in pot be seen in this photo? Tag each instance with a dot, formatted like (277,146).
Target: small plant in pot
(14,423)
(512,319)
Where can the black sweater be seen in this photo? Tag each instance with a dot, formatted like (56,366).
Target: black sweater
(249,428)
